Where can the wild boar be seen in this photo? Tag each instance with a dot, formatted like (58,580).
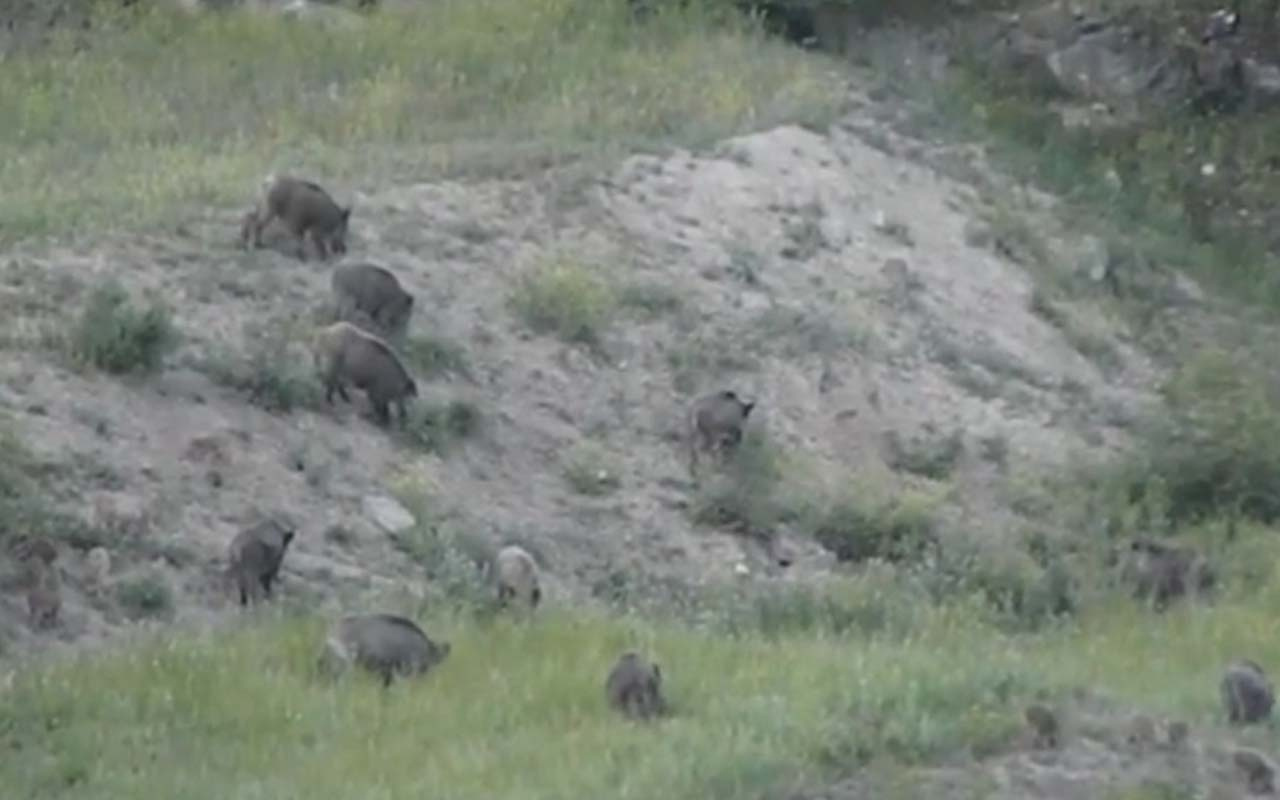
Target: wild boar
(385,644)
(1246,692)
(345,354)
(306,210)
(44,595)
(716,423)
(518,577)
(374,291)
(255,555)
(634,687)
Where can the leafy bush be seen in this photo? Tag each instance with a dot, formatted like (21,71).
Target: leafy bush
(855,527)
(436,426)
(1218,449)
(146,596)
(565,298)
(745,495)
(115,335)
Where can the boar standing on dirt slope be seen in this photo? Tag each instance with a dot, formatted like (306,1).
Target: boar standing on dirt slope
(385,644)
(1246,693)
(716,422)
(345,354)
(374,291)
(44,594)
(517,575)
(255,555)
(305,209)
(634,687)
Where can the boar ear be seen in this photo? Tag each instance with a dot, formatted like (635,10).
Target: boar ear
(346,212)
(746,408)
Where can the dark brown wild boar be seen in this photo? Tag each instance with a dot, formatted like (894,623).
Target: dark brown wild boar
(634,687)
(374,291)
(716,423)
(385,644)
(345,354)
(255,555)
(306,210)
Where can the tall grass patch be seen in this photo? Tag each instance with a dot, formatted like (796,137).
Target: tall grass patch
(162,111)
(507,715)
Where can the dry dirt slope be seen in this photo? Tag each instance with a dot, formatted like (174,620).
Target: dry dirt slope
(845,287)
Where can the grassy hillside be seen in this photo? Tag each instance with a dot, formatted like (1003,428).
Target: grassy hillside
(925,395)
(518,710)
(154,112)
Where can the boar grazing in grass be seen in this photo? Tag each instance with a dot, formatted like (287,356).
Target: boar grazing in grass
(44,595)
(517,575)
(305,209)
(255,556)
(386,644)
(344,354)
(373,291)
(716,423)
(1246,693)
(1162,572)
(634,687)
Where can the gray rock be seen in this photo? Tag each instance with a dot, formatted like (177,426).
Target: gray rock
(387,513)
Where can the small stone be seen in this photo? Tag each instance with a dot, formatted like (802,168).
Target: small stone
(387,513)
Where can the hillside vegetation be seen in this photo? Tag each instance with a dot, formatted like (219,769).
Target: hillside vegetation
(960,426)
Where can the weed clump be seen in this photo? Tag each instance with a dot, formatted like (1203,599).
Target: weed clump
(118,336)
(566,299)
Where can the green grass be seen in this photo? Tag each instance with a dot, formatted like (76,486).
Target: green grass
(517,711)
(169,112)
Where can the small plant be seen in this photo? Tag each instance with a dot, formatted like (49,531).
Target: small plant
(145,596)
(1216,451)
(564,298)
(431,356)
(589,471)
(435,427)
(117,336)
(930,456)
(652,299)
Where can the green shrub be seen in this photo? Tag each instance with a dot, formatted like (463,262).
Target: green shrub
(145,596)
(745,494)
(431,356)
(1218,449)
(567,299)
(435,427)
(113,334)
(857,525)
(590,471)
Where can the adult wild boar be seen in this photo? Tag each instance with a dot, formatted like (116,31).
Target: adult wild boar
(305,209)
(386,644)
(344,354)
(373,291)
